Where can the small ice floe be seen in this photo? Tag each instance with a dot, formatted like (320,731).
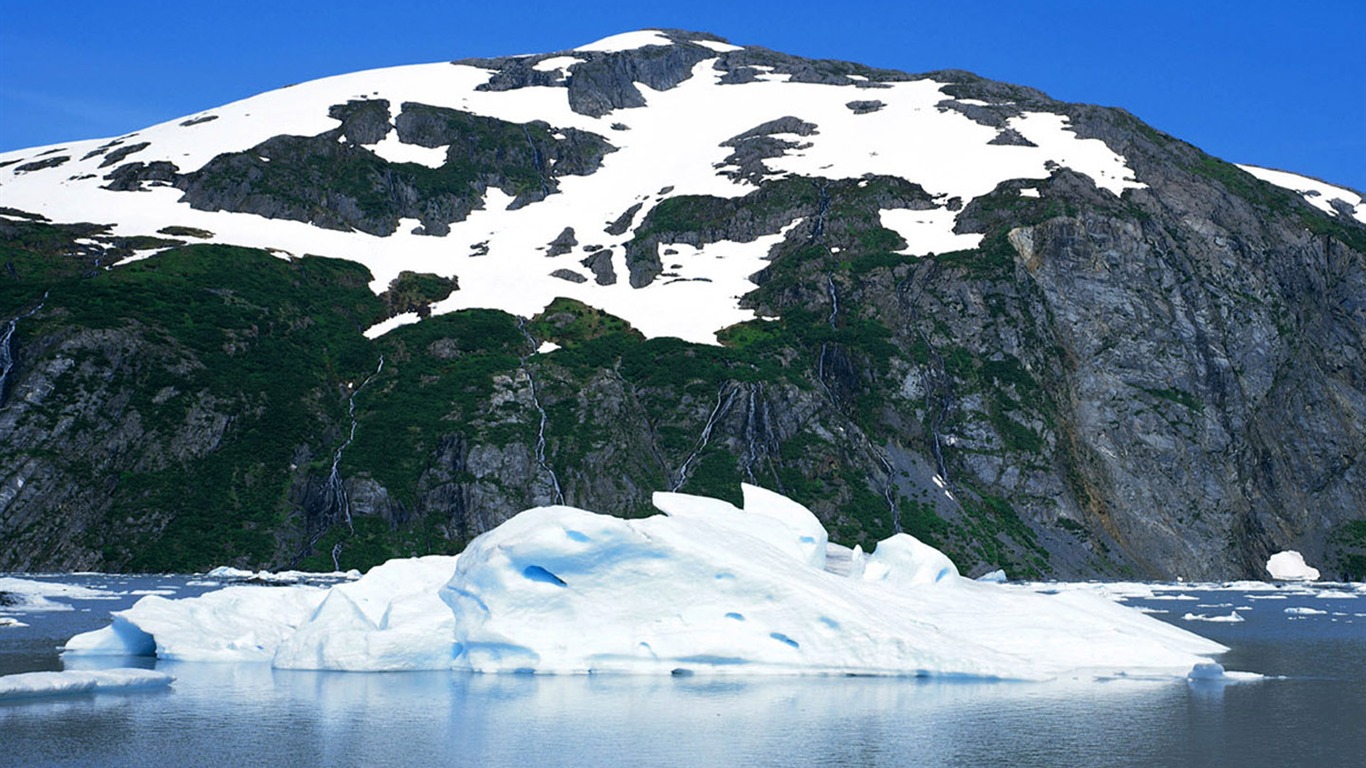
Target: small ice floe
(1214,672)
(1218,618)
(997,576)
(1336,594)
(1304,611)
(32,684)
(10,621)
(31,596)
(1290,566)
(230,574)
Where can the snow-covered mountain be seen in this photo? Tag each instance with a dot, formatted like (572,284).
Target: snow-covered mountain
(698,117)
(1046,334)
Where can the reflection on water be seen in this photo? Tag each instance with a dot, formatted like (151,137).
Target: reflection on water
(243,714)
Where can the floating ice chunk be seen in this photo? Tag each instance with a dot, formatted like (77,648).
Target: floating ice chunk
(1218,618)
(8,621)
(228,572)
(997,576)
(32,596)
(1290,566)
(1208,670)
(1212,672)
(31,684)
(906,561)
(1304,611)
(1336,594)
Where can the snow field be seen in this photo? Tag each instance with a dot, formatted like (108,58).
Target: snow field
(1317,193)
(675,141)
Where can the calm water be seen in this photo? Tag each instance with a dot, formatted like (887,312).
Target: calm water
(248,715)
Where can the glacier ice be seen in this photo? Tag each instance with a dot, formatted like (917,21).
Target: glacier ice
(1290,566)
(31,684)
(705,587)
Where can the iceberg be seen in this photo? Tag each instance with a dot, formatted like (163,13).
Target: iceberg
(709,588)
(1290,566)
(704,588)
(30,684)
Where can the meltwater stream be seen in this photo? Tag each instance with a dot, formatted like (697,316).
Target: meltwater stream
(1311,641)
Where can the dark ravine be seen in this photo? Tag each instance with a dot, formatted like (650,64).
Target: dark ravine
(1167,383)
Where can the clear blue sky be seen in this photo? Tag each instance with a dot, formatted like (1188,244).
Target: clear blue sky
(1279,84)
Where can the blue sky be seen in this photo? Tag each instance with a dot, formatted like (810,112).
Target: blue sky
(1271,83)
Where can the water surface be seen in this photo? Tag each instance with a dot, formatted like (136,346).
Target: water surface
(250,714)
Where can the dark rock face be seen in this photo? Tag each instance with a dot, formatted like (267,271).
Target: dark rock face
(343,185)
(118,154)
(600,264)
(38,165)
(132,177)
(562,244)
(570,275)
(758,144)
(865,106)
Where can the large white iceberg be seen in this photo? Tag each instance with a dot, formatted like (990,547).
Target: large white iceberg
(704,588)
(1290,566)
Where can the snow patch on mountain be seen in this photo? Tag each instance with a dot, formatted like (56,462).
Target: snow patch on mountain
(627,41)
(675,142)
(1319,194)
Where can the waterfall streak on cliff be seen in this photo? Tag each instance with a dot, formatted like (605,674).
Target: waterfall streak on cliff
(834,299)
(723,401)
(334,489)
(7,344)
(536,403)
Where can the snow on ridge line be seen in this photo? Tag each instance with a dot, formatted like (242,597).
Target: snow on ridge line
(1317,193)
(627,41)
(558,590)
